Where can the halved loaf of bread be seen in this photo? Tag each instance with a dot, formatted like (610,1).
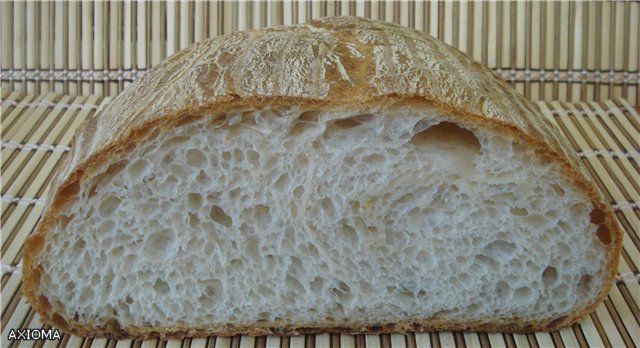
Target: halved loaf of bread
(345,175)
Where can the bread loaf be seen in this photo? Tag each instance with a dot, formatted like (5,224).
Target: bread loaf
(345,175)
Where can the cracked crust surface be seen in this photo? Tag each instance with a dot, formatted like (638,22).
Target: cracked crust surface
(325,63)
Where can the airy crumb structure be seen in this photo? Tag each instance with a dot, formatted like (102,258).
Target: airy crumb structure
(300,216)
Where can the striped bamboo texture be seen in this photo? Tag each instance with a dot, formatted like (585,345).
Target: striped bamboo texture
(37,130)
(569,51)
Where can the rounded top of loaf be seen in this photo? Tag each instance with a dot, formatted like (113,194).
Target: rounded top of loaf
(330,61)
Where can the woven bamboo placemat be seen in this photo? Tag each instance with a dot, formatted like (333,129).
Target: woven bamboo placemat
(36,132)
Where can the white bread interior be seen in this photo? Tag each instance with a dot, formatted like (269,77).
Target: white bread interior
(304,217)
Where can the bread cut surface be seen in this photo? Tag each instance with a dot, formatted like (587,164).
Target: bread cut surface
(345,175)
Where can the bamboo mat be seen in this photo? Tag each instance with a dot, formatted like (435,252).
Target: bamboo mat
(562,50)
(37,130)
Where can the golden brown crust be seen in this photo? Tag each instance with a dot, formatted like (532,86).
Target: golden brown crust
(326,63)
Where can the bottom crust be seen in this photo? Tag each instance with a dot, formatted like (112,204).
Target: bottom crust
(516,325)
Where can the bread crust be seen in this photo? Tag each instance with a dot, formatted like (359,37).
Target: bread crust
(327,63)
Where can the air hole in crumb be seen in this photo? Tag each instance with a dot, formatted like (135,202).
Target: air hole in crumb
(262,214)
(499,249)
(193,220)
(272,162)
(202,178)
(116,168)
(235,265)
(233,194)
(558,189)
(373,159)
(178,171)
(116,252)
(194,201)
(449,135)
(79,246)
(310,116)
(177,140)
(349,233)
(298,191)
(443,313)
(597,216)
(247,229)
(522,294)
(282,182)
(106,226)
(585,284)
(301,160)
(218,215)
(351,122)
(349,161)
(167,159)
(252,248)
(327,206)
(301,127)
(171,180)
(604,235)
(253,157)
(536,220)
(406,198)
(213,288)
(293,284)
(196,158)
(94,188)
(313,251)
(317,285)
(238,156)
(159,245)
(519,211)
(109,205)
(86,294)
(503,289)
(550,276)
(137,168)
(264,317)
(147,149)
(161,287)
(406,295)
(489,262)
